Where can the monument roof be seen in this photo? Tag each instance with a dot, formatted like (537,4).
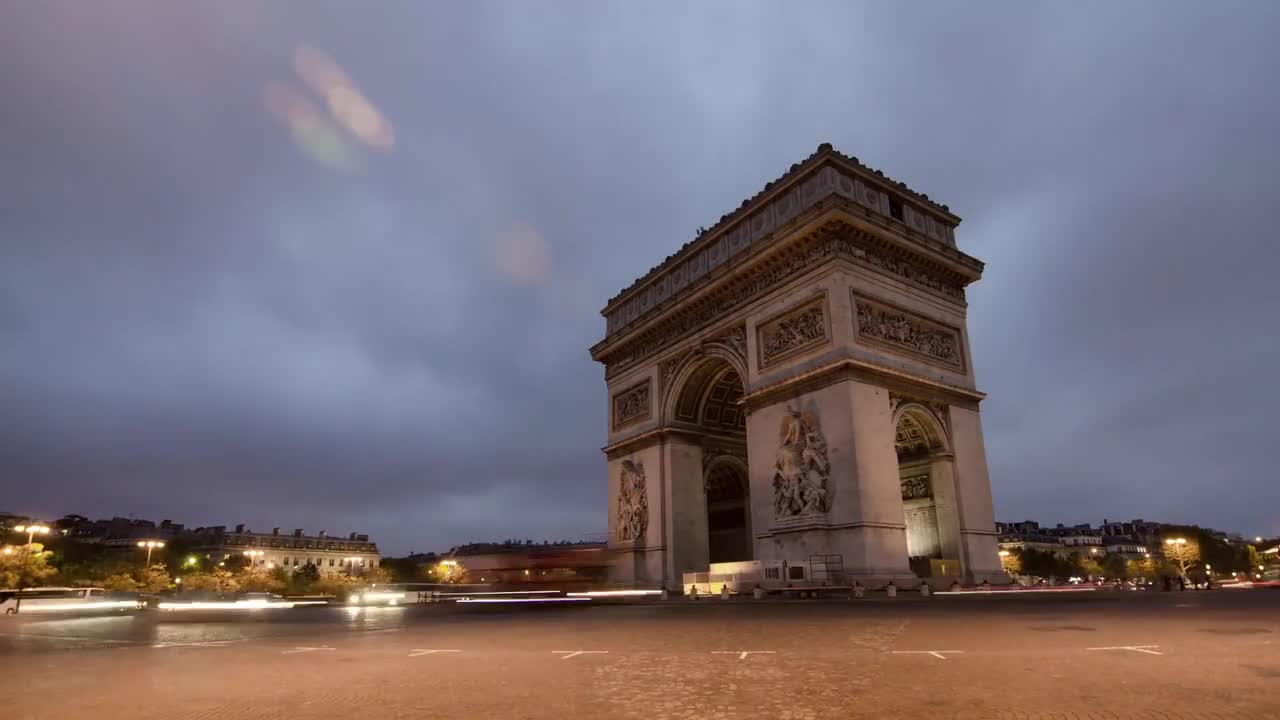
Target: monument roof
(824,151)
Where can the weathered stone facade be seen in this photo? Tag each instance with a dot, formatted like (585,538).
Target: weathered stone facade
(818,332)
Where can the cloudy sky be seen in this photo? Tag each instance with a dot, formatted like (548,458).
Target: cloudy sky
(224,299)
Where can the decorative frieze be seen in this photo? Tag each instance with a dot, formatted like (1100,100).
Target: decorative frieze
(901,330)
(632,405)
(793,332)
(916,488)
(633,502)
(836,239)
(801,468)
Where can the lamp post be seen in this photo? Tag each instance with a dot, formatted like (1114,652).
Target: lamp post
(150,545)
(351,562)
(32,531)
(251,554)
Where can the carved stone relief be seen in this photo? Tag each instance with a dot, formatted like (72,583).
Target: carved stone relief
(793,332)
(901,330)
(736,338)
(801,470)
(633,502)
(916,488)
(631,405)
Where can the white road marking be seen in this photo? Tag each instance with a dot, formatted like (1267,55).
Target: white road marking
(940,654)
(206,643)
(306,649)
(742,654)
(1134,648)
(416,652)
(566,654)
(67,637)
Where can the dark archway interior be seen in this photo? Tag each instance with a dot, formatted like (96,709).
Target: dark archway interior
(727,510)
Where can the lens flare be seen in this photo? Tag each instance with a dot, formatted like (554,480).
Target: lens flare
(522,255)
(349,107)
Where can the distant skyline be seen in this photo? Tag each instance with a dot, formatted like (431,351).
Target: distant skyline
(333,266)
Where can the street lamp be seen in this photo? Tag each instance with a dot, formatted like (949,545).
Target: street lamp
(32,531)
(251,554)
(150,545)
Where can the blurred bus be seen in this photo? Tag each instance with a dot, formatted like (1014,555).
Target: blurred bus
(65,600)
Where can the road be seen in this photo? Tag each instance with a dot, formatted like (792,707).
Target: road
(1095,655)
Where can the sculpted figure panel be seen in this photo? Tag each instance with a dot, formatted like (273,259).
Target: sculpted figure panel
(916,488)
(793,332)
(631,405)
(902,330)
(801,470)
(633,502)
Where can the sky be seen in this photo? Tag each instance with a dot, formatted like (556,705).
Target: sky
(337,265)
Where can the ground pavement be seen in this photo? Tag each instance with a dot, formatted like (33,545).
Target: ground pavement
(1092,655)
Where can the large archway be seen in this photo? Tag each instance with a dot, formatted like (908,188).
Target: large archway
(709,405)
(923,454)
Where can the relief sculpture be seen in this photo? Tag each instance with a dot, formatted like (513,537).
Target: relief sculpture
(633,502)
(631,405)
(916,488)
(800,473)
(897,328)
(793,333)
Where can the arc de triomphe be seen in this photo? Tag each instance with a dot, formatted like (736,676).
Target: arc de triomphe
(796,382)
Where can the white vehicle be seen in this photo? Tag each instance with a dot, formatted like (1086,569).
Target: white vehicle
(63,600)
(381,595)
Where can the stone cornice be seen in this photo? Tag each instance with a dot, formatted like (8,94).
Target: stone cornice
(862,370)
(834,229)
(648,439)
(826,172)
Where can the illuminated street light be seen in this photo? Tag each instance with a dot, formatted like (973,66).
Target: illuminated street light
(150,545)
(32,531)
(251,554)
(8,549)
(1257,539)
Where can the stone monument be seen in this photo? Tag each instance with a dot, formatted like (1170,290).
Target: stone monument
(796,382)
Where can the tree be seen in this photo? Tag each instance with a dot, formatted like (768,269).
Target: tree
(235,563)
(402,569)
(375,576)
(1115,566)
(259,579)
(153,579)
(1182,552)
(217,580)
(25,566)
(118,582)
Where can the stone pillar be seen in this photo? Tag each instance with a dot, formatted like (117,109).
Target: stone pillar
(875,546)
(977,531)
(942,478)
(685,522)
